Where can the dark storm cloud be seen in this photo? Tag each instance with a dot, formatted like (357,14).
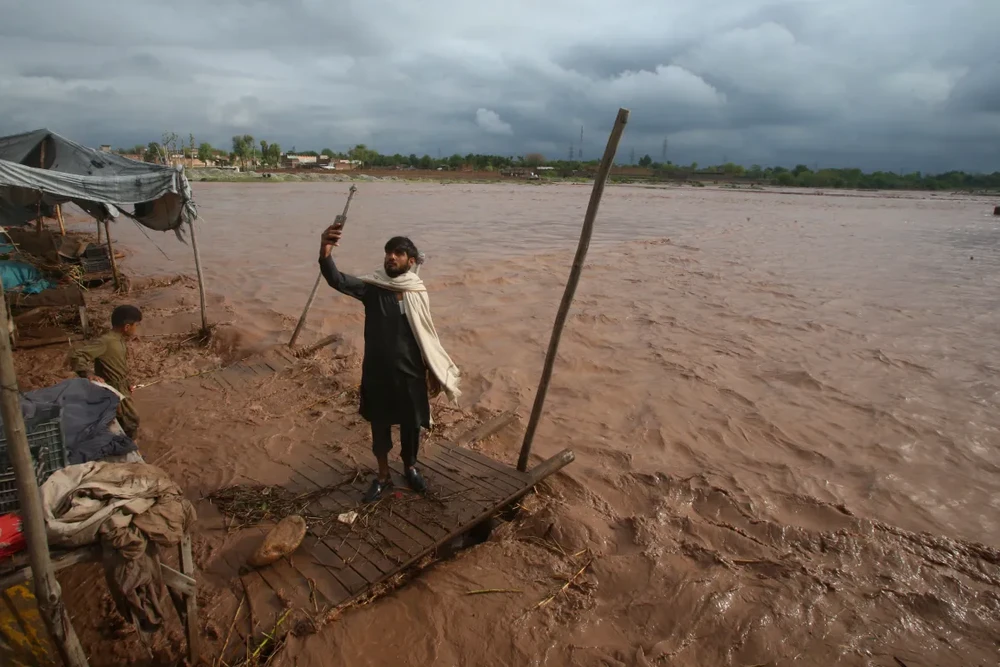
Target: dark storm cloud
(895,84)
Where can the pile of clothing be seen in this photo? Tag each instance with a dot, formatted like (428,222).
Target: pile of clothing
(91,432)
(132,510)
(89,421)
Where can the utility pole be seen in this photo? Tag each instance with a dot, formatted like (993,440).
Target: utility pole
(664,156)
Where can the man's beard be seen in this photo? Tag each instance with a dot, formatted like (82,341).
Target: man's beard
(393,272)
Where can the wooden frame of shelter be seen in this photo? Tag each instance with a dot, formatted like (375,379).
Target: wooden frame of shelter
(40,170)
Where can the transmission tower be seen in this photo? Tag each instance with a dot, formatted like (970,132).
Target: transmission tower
(632,157)
(579,155)
(571,152)
(664,156)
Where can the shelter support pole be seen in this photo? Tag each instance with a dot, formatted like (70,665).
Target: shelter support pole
(59,217)
(111,254)
(201,278)
(41,165)
(47,591)
(574,278)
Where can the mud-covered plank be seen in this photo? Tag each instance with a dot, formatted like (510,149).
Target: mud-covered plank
(478,475)
(501,469)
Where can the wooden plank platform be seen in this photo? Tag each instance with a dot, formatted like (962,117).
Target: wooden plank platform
(338,563)
(243,373)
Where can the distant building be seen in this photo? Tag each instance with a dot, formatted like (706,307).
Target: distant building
(105,148)
(293,161)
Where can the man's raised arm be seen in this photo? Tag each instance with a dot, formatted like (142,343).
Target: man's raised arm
(341,282)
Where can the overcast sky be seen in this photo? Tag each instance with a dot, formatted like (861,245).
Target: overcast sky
(890,84)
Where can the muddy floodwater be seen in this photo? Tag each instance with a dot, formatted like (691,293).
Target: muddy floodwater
(784,409)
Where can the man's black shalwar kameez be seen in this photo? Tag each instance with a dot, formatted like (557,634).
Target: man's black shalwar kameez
(393,373)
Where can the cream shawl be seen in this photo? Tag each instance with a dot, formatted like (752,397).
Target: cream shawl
(418,314)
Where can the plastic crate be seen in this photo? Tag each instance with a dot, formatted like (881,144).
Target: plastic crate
(95,264)
(95,251)
(47,445)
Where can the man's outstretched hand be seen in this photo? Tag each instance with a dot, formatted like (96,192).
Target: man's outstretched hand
(331,237)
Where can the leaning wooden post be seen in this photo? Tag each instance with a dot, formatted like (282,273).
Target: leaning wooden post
(47,591)
(305,311)
(201,279)
(111,254)
(574,278)
(342,219)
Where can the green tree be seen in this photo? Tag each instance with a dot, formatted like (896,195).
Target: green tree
(362,154)
(645,161)
(205,152)
(153,153)
(239,148)
(244,149)
(327,152)
(534,159)
(273,156)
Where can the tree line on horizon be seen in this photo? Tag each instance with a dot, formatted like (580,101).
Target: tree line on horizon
(247,152)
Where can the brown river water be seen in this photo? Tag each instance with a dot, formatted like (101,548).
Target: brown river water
(784,408)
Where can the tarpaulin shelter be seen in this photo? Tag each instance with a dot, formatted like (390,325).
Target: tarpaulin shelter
(41,169)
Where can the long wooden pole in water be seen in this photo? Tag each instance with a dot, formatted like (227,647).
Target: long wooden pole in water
(201,279)
(312,295)
(574,278)
(47,592)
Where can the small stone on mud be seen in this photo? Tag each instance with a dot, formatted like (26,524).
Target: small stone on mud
(281,541)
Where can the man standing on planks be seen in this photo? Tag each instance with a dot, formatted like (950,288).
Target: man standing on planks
(404,363)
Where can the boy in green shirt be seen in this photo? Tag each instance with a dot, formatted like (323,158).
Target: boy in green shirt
(106,359)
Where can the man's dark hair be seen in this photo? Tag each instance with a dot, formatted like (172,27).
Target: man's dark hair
(402,244)
(123,315)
